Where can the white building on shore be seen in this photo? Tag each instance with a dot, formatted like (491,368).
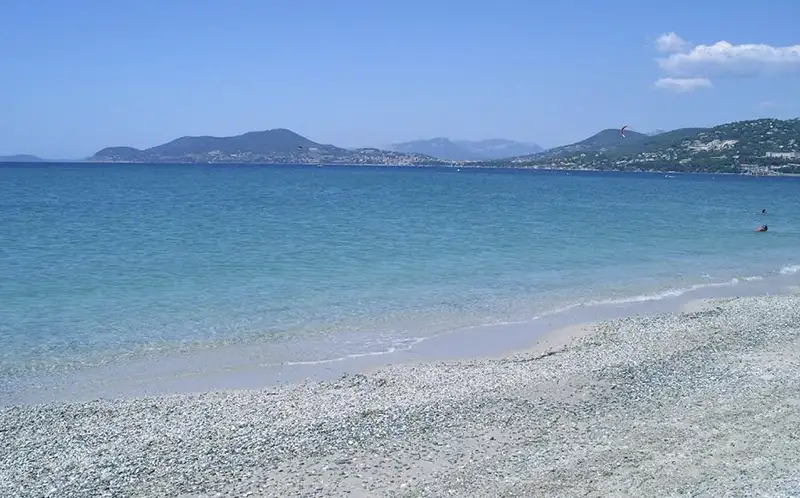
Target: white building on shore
(784,155)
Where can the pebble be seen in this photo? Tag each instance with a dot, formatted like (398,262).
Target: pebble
(704,403)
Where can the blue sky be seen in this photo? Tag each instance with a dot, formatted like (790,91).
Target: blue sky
(81,75)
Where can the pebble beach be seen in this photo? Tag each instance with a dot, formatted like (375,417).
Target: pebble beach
(700,403)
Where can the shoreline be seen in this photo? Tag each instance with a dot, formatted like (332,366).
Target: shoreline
(240,366)
(419,166)
(701,401)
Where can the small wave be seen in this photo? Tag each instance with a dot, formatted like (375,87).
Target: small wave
(639,298)
(656,296)
(748,279)
(352,356)
(666,294)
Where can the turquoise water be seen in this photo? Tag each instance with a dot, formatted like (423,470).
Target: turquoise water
(107,264)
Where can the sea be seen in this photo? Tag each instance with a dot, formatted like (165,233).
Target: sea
(136,279)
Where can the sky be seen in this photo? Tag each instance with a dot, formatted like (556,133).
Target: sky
(81,75)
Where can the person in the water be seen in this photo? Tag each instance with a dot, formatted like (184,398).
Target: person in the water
(763,211)
(761,228)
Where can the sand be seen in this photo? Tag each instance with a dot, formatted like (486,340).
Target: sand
(701,403)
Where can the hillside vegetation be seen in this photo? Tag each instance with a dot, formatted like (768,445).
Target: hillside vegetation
(752,146)
(278,146)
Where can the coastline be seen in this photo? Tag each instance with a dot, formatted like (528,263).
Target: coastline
(508,167)
(243,366)
(701,401)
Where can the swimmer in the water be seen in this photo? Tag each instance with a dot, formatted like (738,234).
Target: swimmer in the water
(763,211)
(762,228)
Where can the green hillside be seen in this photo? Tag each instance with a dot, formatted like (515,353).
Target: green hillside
(752,146)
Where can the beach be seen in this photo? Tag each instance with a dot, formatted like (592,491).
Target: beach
(704,403)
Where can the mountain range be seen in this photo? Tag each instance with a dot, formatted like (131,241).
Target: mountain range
(277,146)
(766,146)
(467,150)
(284,146)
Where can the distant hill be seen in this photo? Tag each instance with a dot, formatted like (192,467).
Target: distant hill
(498,148)
(439,147)
(763,146)
(277,146)
(601,141)
(760,146)
(21,158)
(467,150)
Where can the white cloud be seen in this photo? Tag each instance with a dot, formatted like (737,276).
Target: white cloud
(683,85)
(724,58)
(670,42)
(690,67)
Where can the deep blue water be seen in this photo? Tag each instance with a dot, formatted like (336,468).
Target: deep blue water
(103,264)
